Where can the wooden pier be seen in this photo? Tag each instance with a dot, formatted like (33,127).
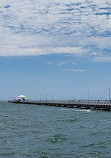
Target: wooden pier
(83,104)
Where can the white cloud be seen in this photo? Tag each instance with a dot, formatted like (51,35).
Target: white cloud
(23,51)
(62,63)
(76,70)
(33,27)
(69,50)
(57,63)
(103,59)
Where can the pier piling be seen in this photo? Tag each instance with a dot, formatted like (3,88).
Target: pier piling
(83,104)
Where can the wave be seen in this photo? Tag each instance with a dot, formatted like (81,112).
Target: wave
(85,110)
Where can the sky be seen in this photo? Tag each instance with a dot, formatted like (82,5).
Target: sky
(53,49)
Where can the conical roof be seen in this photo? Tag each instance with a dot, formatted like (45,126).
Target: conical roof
(21,96)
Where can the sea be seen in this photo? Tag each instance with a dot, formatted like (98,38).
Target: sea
(36,131)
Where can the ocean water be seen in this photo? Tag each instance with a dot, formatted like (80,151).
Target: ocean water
(31,131)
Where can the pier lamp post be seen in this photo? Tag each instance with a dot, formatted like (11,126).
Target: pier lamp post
(88,94)
(53,97)
(73,95)
(109,92)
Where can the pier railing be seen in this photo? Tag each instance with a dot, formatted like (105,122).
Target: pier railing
(86,104)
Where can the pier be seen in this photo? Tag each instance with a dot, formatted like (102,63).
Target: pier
(82,104)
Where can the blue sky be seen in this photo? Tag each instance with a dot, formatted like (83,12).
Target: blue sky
(55,49)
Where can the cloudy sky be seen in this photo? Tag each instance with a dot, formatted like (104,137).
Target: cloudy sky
(55,49)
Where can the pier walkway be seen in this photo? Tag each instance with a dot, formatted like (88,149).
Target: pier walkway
(83,104)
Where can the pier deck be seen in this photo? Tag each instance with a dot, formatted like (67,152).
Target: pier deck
(83,104)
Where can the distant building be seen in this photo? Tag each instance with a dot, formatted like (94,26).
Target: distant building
(22,98)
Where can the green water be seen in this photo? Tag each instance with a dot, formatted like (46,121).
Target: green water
(31,131)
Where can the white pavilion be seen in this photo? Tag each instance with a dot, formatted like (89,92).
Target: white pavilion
(22,98)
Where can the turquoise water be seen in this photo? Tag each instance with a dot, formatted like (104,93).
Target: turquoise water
(31,131)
